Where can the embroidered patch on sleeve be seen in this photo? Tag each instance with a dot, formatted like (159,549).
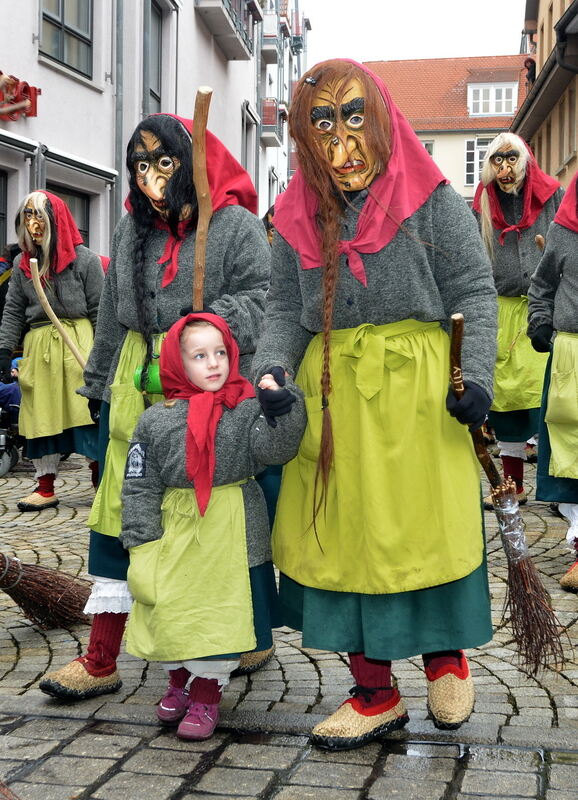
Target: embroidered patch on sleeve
(136,461)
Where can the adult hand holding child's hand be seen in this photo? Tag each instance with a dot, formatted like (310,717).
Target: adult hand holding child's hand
(274,399)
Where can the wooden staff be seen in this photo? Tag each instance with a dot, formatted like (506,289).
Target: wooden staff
(534,624)
(51,315)
(540,241)
(201,182)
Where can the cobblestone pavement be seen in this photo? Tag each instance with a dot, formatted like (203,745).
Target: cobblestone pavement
(520,742)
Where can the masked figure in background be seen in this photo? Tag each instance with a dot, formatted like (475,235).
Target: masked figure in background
(53,418)
(553,307)
(149,280)
(514,202)
(381,552)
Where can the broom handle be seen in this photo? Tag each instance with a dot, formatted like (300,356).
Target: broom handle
(51,315)
(457,382)
(201,182)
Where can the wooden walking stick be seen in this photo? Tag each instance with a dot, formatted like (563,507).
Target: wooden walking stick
(51,315)
(201,182)
(534,624)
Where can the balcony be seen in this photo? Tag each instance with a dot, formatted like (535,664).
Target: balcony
(271,39)
(231,24)
(271,123)
(284,24)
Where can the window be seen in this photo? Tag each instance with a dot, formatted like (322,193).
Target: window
(155,58)
(67,33)
(248,138)
(3,209)
(79,205)
(475,152)
(492,100)
(429,145)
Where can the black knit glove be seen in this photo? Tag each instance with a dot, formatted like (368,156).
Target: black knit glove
(541,338)
(275,402)
(94,408)
(186,310)
(5,365)
(472,408)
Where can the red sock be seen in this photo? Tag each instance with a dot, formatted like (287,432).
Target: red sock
(46,485)
(93,466)
(205,690)
(179,677)
(372,674)
(104,643)
(514,468)
(445,661)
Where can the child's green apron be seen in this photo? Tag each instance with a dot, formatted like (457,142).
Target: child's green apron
(562,410)
(191,588)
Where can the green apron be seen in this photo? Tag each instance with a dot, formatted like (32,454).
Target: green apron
(519,371)
(49,376)
(126,406)
(402,508)
(191,588)
(562,410)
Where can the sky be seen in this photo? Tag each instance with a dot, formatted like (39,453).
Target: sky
(388,30)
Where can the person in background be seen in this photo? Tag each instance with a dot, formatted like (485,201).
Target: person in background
(553,309)
(514,202)
(53,418)
(381,553)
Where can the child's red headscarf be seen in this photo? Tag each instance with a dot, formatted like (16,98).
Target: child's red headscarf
(566,214)
(205,408)
(67,237)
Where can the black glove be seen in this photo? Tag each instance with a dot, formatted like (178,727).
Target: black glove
(541,338)
(275,402)
(472,408)
(94,408)
(5,365)
(189,310)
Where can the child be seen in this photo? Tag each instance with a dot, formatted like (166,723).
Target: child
(195,521)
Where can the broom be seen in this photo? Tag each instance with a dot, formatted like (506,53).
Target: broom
(49,598)
(533,622)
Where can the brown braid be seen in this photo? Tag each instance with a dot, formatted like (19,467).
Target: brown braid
(319,175)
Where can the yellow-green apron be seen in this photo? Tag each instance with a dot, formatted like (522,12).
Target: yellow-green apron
(402,509)
(519,371)
(126,406)
(49,376)
(191,588)
(562,410)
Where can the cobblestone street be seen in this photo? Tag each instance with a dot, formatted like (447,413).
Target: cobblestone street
(520,742)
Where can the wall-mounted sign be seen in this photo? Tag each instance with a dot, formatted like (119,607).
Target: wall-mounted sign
(17,98)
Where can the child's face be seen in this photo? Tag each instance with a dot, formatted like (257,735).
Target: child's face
(205,357)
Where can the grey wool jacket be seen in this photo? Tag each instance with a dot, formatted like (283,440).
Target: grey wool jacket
(244,444)
(553,292)
(236,279)
(74,293)
(515,261)
(434,266)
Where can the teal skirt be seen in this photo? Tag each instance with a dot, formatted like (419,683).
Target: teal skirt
(452,616)
(82,440)
(515,426)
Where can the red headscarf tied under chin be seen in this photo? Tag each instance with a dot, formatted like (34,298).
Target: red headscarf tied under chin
(205,408)
(229,184)
(538,189)
(67,237)
(566,214)
(409,178)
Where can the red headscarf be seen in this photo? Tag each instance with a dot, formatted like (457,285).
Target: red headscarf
(205,408)
(538,189)
(229,184)
(67,237)
(409,179)
(566,214)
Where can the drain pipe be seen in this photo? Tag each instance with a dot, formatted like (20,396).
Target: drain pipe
(116,205)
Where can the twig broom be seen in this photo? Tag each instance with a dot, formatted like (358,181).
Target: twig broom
(533,622)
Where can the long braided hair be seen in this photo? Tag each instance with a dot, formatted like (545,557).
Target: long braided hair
(179,192)
(319,175)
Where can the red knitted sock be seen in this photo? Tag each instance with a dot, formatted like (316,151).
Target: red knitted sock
(444,662)
(104,644)
(372,674)
(179,677)
(93,466)
(205,690)
(514,468)
(46,485)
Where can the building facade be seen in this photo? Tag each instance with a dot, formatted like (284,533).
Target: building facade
(78,75)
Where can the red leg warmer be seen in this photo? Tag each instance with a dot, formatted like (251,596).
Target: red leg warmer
(104,643)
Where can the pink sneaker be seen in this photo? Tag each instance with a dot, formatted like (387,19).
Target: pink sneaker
(173,706)
(200,721)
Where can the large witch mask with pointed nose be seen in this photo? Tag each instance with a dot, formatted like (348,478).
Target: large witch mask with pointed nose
(337,117)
